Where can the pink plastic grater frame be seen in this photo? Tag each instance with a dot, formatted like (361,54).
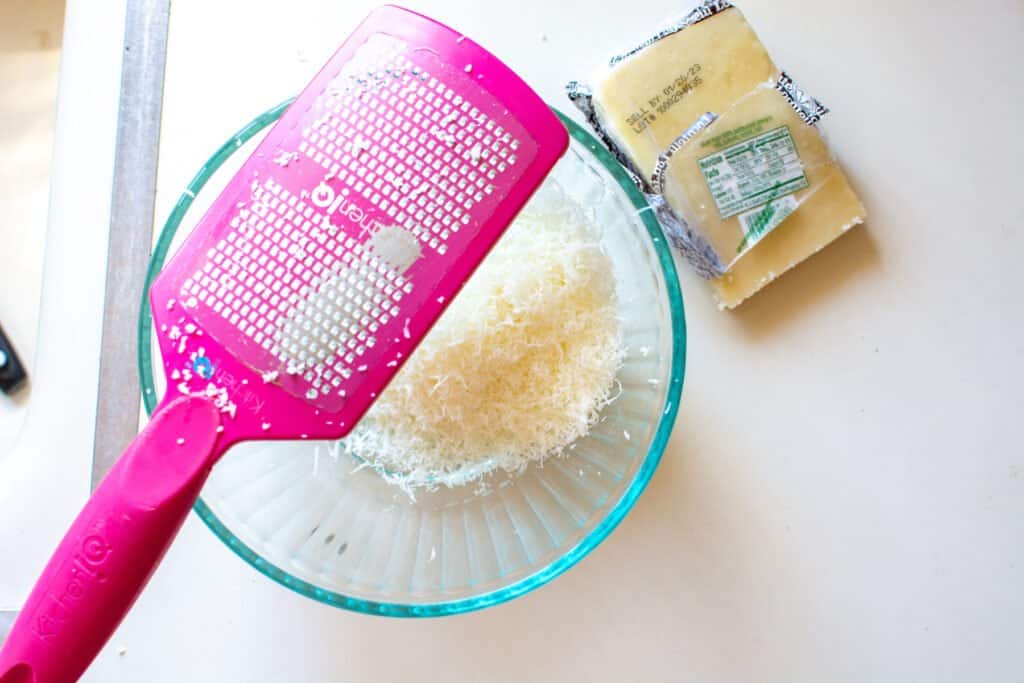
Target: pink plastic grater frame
(488,90)
(405,101)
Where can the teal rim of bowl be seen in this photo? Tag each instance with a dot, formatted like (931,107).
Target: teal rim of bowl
(526,584)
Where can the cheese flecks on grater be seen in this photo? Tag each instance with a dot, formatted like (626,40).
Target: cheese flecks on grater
(276,276)
(311,267)
(335,316)
(395,135)
(395,247)
(725,147)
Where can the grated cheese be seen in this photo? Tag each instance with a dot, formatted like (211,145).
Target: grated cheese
(516,369)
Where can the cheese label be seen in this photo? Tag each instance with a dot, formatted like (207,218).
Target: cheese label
(759,222)
(753,172)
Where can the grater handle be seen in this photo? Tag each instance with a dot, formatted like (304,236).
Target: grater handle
(112,548)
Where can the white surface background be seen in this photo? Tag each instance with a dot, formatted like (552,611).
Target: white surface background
(46,431)
(843,497)
(30,35)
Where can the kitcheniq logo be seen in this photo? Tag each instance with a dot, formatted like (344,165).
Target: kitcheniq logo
(84,571)
(324,197)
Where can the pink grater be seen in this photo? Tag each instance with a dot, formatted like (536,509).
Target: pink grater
(300,294)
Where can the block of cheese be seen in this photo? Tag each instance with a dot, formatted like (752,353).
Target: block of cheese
(762,186)
(647,97)
(725,146)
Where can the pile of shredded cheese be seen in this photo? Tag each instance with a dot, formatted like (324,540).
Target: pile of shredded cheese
(516,369)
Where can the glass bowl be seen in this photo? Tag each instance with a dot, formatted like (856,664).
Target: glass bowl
(318,522)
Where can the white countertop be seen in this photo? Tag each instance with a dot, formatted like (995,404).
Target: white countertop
(30,34)
(843,496)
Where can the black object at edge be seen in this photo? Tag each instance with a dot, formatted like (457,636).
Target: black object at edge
(12,372)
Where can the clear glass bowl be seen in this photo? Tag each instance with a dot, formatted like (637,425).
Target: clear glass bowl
(315,521)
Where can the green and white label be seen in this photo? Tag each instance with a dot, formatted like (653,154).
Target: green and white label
(753,173)
(759,222)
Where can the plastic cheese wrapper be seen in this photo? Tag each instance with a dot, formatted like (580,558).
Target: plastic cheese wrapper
(725,146)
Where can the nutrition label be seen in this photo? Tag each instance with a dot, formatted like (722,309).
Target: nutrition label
(753,172)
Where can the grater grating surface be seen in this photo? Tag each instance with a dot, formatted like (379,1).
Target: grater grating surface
(353,225)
